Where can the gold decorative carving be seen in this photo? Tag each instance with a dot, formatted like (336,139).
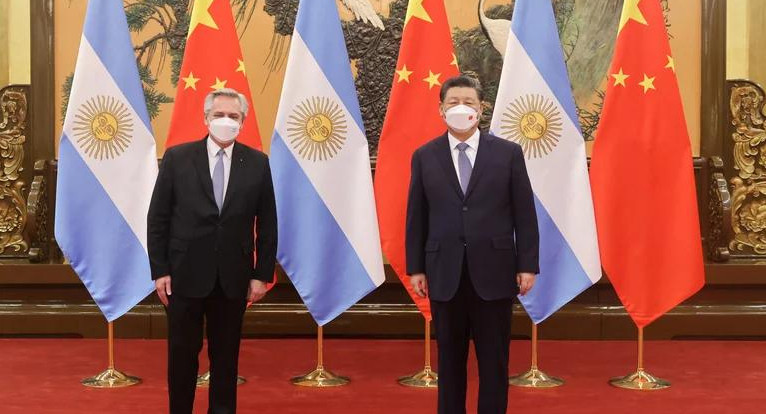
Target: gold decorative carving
(748,218)
(719,207)
(13,206)
(37,207)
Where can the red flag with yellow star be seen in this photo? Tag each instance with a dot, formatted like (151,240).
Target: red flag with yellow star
(641,173)
(212,60)
(426,59)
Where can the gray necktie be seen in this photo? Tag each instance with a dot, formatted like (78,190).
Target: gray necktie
(464,167)
(218,180)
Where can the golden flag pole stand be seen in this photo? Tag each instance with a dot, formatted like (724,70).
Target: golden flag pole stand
(534,378)
(111,378)
(427,378)
(320,377)
(640,380)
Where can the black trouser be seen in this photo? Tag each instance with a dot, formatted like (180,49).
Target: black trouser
(224,327)
(467,316)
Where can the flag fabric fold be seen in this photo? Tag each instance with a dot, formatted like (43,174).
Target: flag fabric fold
(426,59)
(329,243)
(535,108)
(642,174)
(107,166)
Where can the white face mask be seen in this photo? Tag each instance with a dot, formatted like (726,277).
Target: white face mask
(224,129)
(461,118)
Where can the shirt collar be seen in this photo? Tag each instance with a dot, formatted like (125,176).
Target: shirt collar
(212,149)
(472,142)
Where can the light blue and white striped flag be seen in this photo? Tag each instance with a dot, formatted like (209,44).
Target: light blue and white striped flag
(329,243)
(107,166)
(535,108)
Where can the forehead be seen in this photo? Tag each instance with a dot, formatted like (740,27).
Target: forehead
(461,92)
(226,103)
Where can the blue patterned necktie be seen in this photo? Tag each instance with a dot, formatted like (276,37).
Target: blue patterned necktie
(464,167)
(218,180)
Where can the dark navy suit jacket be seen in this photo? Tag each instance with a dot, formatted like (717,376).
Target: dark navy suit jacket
(493,226)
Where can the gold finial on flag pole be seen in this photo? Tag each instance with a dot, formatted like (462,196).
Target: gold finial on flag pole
(320,377)
(640,380)
(534,378)
(110,378)
(427,378)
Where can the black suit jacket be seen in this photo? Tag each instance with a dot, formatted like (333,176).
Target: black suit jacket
(191,242)
(494,225)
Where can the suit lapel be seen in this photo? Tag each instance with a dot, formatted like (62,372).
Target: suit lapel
(235,175)
(444,154)
(482,155)
(202,165)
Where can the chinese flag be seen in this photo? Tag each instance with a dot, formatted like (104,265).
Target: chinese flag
(426,59)
(212,60)
(641,173)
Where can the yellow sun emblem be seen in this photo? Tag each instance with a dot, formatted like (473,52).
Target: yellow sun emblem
(103,127)
(534,122)
(317,128)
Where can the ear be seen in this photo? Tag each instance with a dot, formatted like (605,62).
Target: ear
(441,111)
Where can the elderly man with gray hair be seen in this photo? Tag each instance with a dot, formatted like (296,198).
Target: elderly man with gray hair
(211,198)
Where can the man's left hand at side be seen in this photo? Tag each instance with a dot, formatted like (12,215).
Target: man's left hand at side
(256,291)
(525,281)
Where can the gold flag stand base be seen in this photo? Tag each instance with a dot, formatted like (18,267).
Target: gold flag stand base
(640,380)
(110,378)
(534,378)
(204,380)
(320,377)
(427,378)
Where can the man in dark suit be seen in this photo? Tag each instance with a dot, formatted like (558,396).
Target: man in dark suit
(208,197)
(472,245)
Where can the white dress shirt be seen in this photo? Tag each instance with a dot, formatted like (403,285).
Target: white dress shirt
(212,158)
(473,147)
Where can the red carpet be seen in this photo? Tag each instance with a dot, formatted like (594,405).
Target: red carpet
(40,376)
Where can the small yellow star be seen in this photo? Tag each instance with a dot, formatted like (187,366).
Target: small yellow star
(619,78)
(241,67)
(190,81)
(630,11)
(454,61)
(404,74)
(219,84)
(415,9)
(647,83)
(671,64)
(432,79)
(201,15)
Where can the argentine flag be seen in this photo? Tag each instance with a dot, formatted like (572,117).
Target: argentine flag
(329,244)
(535,108)
(107,166)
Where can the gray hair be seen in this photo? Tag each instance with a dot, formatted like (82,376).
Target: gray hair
(231,93)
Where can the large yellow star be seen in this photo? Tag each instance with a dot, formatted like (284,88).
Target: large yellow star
(404,74)
(415,9)
(190,81)
(630,11)
(432,79)
(647,83)
(219,84)
(201,15)
(671,64)
(241,67)
(619,78)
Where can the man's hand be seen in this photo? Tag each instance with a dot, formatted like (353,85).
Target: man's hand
(419,284)
(525,282)
(162,285)
(256,291)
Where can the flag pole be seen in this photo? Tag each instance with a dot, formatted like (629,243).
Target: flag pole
(427,378)
(534,378)
(320,377)
(640,380)
(110,378)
